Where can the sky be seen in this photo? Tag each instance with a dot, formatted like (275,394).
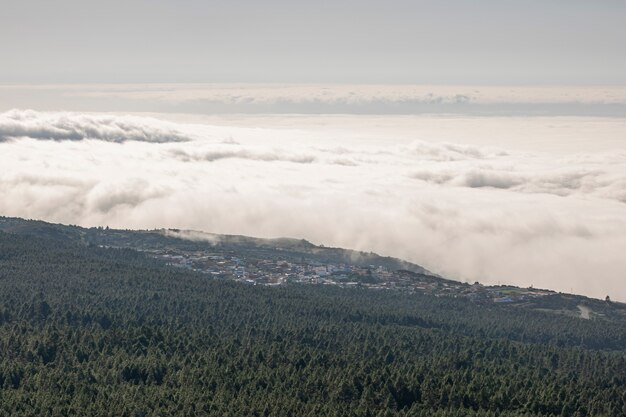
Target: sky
(286,41)
(484,140)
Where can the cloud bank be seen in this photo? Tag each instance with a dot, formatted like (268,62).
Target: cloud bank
(467,211)
(61,126)
(594,180)
(355,94)
(607,101)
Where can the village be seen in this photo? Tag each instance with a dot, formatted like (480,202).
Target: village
(275,272)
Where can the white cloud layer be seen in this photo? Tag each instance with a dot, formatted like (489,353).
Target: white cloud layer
(322,99)
(467,211)
(345,93)
(73,126)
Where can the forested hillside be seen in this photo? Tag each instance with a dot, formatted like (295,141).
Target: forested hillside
(88,331)
(189,241)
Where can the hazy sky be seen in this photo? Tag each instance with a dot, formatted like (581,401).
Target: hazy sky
(364,41)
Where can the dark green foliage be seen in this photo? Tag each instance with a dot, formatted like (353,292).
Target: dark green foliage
(86,331)
(252,248)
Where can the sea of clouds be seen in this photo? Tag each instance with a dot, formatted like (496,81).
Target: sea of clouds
(423,188)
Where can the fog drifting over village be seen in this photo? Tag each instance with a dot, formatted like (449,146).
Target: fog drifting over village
(475,196)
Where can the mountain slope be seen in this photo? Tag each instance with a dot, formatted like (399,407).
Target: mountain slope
(192,240)
(97,331)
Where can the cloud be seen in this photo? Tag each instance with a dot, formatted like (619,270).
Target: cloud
(131,193)
(218,153)
(264,156)
(365,99)
(451,152)
(349,94)
(481,178)
(591,180)
(192,235)
(323,99)
(464,210)
(74,127)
